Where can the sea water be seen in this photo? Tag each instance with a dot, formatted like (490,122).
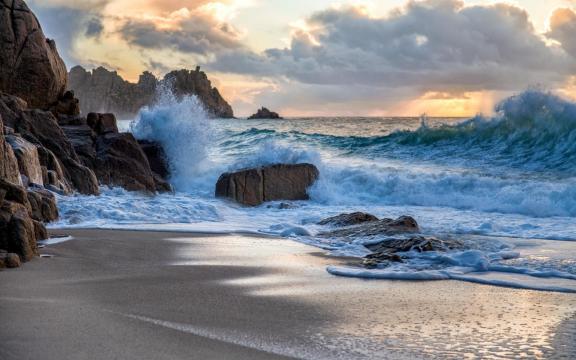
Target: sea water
(505,185)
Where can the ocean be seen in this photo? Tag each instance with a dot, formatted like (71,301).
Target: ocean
(505,185)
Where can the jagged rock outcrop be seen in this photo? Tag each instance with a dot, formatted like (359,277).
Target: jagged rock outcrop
(30,66)
(56,152)
(116,158)
(103,91)
(276,182)
(264,113)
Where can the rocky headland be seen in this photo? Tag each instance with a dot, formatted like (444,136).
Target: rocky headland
(101,90)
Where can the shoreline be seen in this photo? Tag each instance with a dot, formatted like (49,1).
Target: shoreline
(159,295)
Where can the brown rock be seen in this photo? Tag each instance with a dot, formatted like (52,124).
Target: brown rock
(402,225)
(43,205)
(349,219)
(30,65)
(67,106)
(9,260)
(102,123)
(8,163)
(121,162)
(17,230)
(41,129)
(276,182)
(28,159)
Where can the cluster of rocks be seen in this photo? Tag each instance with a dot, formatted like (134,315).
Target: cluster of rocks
(264,113)
(46,146)
(101,90)
(255,186)
(391,249)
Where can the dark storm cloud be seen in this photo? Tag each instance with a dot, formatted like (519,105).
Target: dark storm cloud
(94,27)
(438,45)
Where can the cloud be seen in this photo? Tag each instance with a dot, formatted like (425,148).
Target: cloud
(196,32)
(431,45)
(563,29)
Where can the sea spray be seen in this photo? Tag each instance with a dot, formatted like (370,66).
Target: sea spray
(182,127)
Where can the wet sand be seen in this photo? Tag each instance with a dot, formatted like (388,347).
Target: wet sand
(153,295)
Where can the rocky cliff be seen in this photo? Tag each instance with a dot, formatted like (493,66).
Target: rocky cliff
(101,90)
(30,66)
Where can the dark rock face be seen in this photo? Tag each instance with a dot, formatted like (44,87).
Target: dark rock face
(43,205)
(9,260)
(8,163)
(387,251)
(55,150)
(102,123)
(66,105)
(276,182)
(264,113)
(349,219)
(156,157)
(121,162)
(30,66)
(402,225)
(106,91)
(21,215)
(117,159)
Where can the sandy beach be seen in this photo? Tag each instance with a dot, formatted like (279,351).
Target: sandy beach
(153,295)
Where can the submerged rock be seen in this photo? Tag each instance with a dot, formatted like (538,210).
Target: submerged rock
(349,219)
(264,113)
(386,251)
(270,183)
(402,225)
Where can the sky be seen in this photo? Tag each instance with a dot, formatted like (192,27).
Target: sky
(331,58)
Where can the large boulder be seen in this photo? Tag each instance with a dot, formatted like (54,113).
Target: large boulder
(30,66)
(270,183)
(9,260)
(121,162)
(28,160)
(17,230)
(43,205)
